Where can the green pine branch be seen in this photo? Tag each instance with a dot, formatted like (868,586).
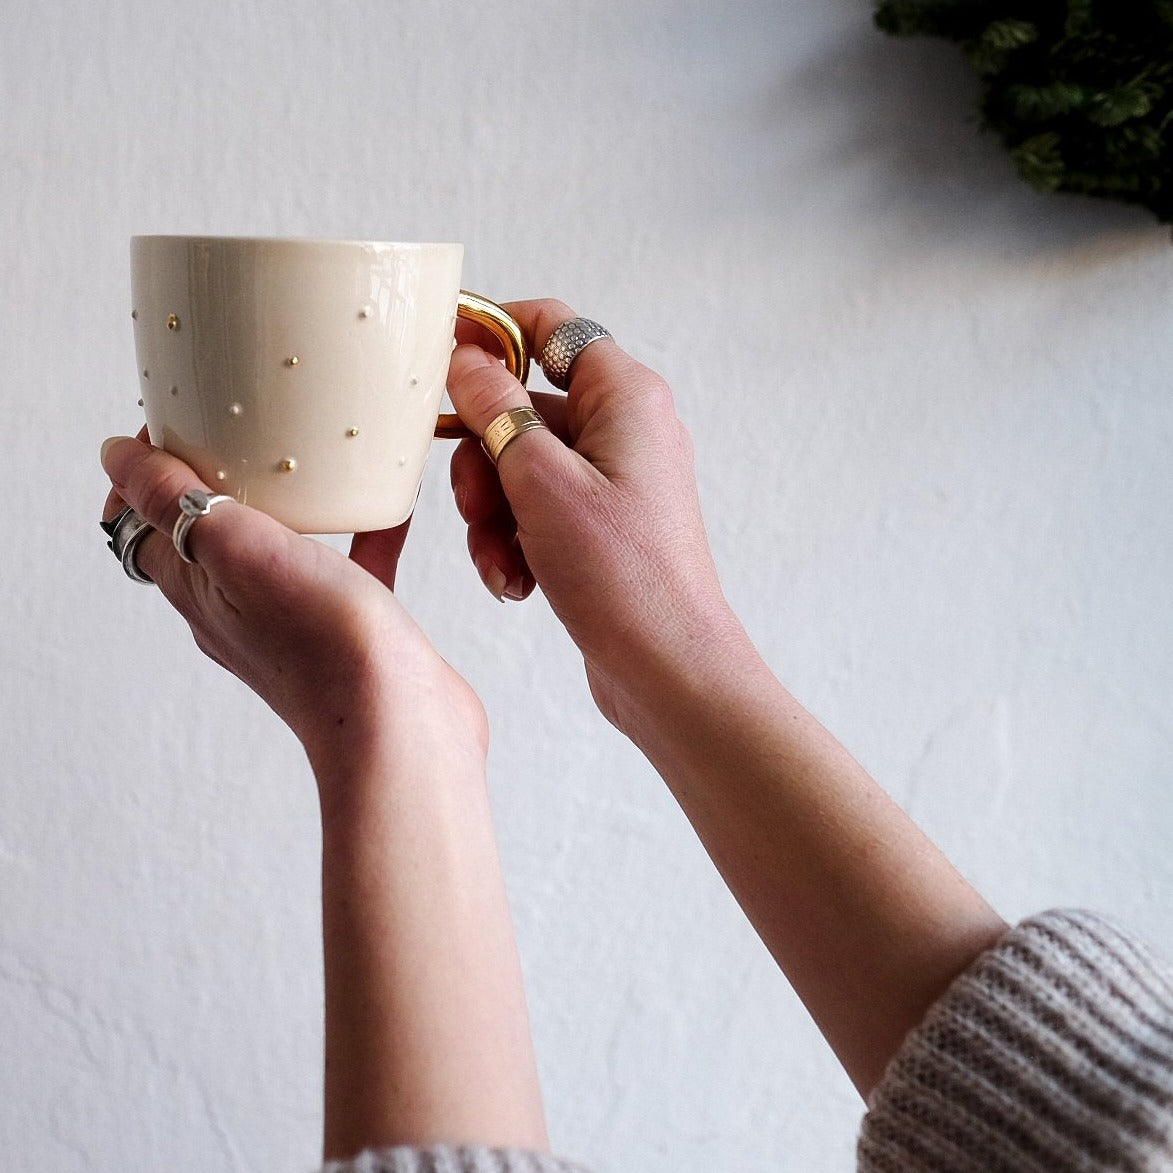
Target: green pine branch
(1080,91)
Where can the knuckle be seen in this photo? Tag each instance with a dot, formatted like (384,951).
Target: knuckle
(657,391)
(245,548)
(634,393)
(551,314)
(540,473)
(157,488)
(156,559)
(487,392)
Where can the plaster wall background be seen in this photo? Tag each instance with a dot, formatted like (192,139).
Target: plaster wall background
(933,420)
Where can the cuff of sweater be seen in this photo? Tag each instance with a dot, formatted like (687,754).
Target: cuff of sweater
(452,1159)
(1053,1051)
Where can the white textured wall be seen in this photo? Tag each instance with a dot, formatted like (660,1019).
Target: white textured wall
(933,418)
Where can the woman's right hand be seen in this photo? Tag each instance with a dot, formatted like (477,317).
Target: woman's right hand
(318,636)
(602,511)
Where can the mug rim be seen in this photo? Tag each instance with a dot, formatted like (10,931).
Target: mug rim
(212,238)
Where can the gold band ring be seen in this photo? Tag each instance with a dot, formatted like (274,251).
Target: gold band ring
(506,427)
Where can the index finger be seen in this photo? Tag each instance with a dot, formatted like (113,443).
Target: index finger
(538,319)
(152,481)
(613,406)
(479,400)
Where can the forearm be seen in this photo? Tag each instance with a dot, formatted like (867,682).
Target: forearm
(865,916)
(427,1036)
(867,919)
(426,1028)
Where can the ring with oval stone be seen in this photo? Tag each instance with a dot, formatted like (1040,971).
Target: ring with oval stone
(192,506)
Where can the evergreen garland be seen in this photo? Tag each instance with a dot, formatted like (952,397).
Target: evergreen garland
(1081,91)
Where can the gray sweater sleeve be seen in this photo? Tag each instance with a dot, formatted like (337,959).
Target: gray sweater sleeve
(1052,1052)
(452,1159)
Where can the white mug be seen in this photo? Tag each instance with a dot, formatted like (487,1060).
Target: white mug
(304,377)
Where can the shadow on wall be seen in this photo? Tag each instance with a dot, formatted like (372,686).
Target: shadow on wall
(901,138)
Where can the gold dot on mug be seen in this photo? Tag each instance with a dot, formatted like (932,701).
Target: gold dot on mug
(292,360)
(141,403)
(352,431)
(174,389)
(288,465)
(235,409)
(221,475)
(146,373)
(172,322)
(365,312)
(134,314)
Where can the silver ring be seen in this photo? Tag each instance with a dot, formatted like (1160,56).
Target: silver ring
(565,345)
(126,531)
(192,506)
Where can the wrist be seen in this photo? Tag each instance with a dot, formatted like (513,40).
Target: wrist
(426,1032)
(675,683)
(407,739)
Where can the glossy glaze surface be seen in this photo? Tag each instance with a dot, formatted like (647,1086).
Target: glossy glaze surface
(303,377)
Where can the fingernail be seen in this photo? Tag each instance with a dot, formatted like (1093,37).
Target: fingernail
(467,357)
(516,589)
(108,444)
(493,577)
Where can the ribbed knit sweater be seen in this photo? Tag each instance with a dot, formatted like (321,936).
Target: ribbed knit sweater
(1052,1053)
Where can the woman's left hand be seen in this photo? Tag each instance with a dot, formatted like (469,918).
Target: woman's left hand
(318,636)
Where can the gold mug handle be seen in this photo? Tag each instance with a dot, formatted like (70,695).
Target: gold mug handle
(490,315)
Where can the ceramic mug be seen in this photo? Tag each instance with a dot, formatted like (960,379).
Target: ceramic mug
(304,377)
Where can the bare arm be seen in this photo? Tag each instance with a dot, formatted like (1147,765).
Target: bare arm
(427,1034)
(427,1038)
(868,920)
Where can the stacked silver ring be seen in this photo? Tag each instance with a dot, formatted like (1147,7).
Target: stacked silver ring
(192,506)
(565,345)
(126,531)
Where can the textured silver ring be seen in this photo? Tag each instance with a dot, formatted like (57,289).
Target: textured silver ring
(565,345)
(192,506)
(126,531)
